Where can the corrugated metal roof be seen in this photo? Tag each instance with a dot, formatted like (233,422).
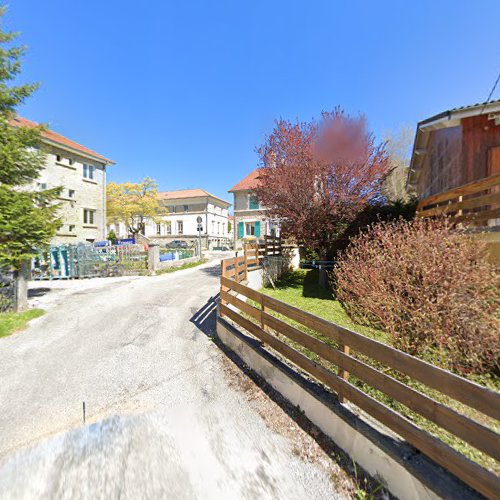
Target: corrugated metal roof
(470,107)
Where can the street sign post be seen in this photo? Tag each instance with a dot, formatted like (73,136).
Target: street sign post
(199,220)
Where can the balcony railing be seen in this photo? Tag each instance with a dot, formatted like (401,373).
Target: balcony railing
(476,203)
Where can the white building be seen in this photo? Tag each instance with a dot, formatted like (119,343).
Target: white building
(82,174)
(181,221)
(251,221)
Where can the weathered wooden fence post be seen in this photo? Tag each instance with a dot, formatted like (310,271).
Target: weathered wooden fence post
(222,288)
(343,373)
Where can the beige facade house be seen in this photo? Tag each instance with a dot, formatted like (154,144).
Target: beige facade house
(251,220)
(183,208)
(82,174)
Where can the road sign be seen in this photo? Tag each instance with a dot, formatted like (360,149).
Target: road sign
(199,220)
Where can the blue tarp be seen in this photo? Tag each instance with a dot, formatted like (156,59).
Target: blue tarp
(167,256)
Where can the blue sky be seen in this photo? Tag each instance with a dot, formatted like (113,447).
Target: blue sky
(185,91)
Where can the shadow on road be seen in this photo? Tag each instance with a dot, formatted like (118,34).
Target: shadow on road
(212,270)
(368,484)
(205,319)
(38,292)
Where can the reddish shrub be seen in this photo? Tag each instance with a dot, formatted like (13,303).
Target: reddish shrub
(430,287)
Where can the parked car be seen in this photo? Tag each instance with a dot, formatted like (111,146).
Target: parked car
(177,244)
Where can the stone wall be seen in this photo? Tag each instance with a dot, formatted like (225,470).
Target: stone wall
(66,169)
(175,263)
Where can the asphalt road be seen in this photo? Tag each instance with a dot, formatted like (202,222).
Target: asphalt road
(162,420)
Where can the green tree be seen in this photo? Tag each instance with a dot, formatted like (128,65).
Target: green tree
(28,218)
(112,237)
(133,204)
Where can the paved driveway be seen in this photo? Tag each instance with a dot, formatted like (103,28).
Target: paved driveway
(163,419)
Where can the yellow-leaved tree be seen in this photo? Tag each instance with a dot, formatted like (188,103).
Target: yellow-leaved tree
(133,204)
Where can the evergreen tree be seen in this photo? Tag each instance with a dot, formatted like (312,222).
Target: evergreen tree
(28,217)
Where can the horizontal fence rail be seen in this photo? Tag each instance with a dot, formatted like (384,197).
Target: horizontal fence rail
(259,322)
(476,202)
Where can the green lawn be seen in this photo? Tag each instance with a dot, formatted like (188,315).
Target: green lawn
(300,289)
(13,322)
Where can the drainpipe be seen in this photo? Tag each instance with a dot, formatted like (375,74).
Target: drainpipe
(104,218)
(206,221)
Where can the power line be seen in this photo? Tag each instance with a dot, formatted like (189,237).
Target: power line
(491,93)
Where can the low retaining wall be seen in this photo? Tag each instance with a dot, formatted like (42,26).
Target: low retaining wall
(405,472)
(174,263)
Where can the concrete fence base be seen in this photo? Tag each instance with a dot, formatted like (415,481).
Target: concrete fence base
(176,263)
(404,471)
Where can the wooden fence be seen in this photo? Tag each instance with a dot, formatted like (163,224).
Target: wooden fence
(474,203)
(259,322)
(237,267)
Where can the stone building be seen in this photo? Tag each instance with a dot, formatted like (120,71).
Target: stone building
(82,174)
(251,221)
(181,219)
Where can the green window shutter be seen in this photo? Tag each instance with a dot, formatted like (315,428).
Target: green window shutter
(257,228)
(240,230)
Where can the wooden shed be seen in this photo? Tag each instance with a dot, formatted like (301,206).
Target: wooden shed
(455,167)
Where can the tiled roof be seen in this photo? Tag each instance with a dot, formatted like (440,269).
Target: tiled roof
(187,193)
(52,136)
(251,181)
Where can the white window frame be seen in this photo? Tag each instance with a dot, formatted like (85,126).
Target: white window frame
(251,226)
(88,171)
(180,227)
(89,216)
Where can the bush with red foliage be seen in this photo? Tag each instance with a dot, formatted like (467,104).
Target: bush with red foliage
(430,287)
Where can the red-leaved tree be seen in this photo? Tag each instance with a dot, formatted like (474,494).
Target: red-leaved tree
(316,177)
